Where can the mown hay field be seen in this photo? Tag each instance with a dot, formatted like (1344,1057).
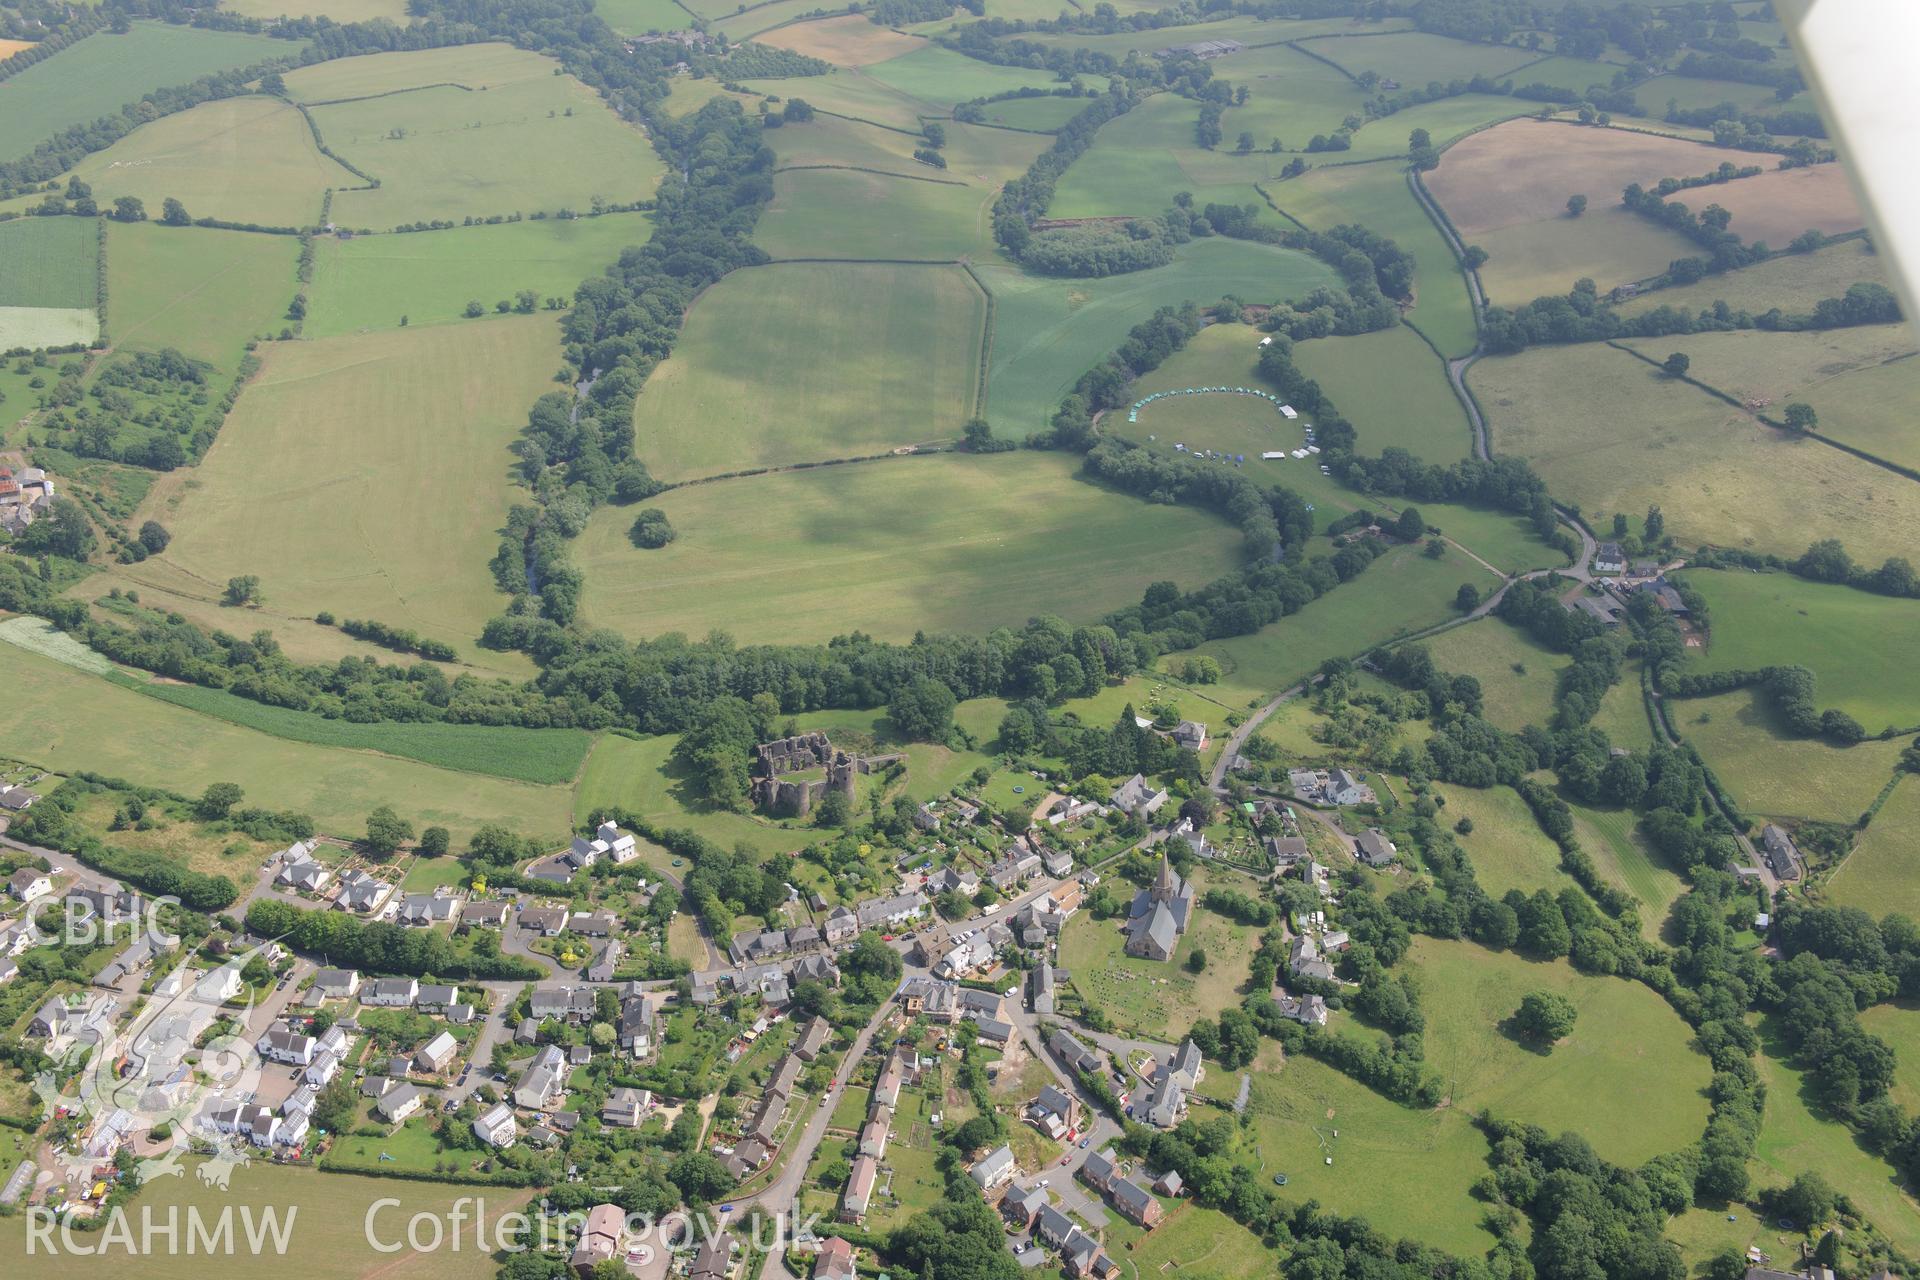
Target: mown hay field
(851,41)
(341,11)
(1048,331)
(1858,645)
(247,159)
(300,487)
(637,17)
(50,262)
(951,542)
(436,147)
(105,72)
(1769,774)
(1779,204)
(1616,435)
(201,291)
(369,283)
(1627,1079)
(846,214)
(73,721)
(853,93)
(1377,196)
(33,327)
(806,362)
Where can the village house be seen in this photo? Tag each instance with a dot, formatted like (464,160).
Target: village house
(1311,1010)
(300,870)
(1374,848)
(859,1193)
(358,891)
(543,1083)
(545,922)
(399,1102)
(1135,1203)
(1782,854)
(1139,797)
(813,1038)
(601,1238)
(336,984)
(29,885)
(625,1107)
(994,1169)
(282,1044)
(1191,734)
(1041,987)
(421,910)
(1609,558)
(1072,1054)
(1022,1204)
(489,914)
(433,1056)
(834,1261)
(391,993)
(496,1126)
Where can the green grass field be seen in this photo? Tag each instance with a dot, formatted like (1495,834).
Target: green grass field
(342,11)
(105,72)
(1627,1079)
(1609,244)
(1793,1141)
(1516,672)
(1415,57)
(945,543)
(75,721)
(1034,113)
(298,488)
(834,213)
(975,154)
(1862,382)
(368,283)
(1689,92)
(33,327)
(1393,389)
(1399,593)
(1047,331)
(1381,1150)
(1882,873)
(202,291)
(1578,74)
(1614,434)
(1776,776)
(237,159)
(1608,837)
(1506,846)
(1623,712)
(1377,196)
(1856,643)
(853,93)
(637,17)
(1794,282)
(50,262)
(1290,96)
(806,362)
(942,77)
(436,148)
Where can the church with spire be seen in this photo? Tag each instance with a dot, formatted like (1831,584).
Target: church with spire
(1159,914)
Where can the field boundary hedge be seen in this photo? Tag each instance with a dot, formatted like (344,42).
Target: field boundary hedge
(890,128)
(861,168)
(1906,472)
(983,382)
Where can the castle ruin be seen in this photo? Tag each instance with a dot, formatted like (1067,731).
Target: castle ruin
(804,752)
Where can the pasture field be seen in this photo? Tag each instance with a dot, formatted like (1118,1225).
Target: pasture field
(763,17)
(296,489)
(1883,872)
(1393,390)
(1623,712)
(202,291)
(1779,204)
(637,774)
(688,95)
(1578,74)
(105,72)
(1517,673)
(1505,541)
(1609,245)
(1794,282)
(1048,331)
(1691,92)
(1793,1140)
(1247,30)
(851,92)
(1190,1238)
(943,543)
(1772,775)
(1132,167)
(805,362)
(73,721)
(940,77)
(1898,1023)
(637,17)
(1156,1000)
(844,214)
(32,327)
(974,153)
(239,159)
(315,1207)
(1401,592)
(1417,58)
(1046,114)
(1858,645)
(50,263)
(1290,96)
(1506,846)
(851,41)
(1622,857)
(436,148)
(1377,196)
(1446,119)
(368,283)
(341,11)
(1627,1079)
(1382,1149)
(1616,437)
